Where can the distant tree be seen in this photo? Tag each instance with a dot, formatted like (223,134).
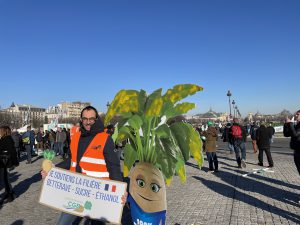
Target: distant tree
(37,122)
(5,118)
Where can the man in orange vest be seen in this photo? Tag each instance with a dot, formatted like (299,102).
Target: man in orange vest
(92,154)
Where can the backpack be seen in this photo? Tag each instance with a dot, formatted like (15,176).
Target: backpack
(236,132)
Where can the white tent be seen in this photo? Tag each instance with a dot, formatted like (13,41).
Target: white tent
(22,129)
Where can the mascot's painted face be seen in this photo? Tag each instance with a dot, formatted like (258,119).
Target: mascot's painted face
(147,187)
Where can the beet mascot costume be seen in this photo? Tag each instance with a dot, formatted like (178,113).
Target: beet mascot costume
(157,146)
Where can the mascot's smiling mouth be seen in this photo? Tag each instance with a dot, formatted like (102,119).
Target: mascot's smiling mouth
(145,198)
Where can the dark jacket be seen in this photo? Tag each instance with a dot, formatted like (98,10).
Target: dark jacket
(17,139)
(293,131)
(227,135)
(32,137)
(253,130)
(263,136)
(111,157)
(39,136)
(8,153)
(272,130)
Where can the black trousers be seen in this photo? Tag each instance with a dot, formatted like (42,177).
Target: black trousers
(297,160)
(5,177)
(261,155)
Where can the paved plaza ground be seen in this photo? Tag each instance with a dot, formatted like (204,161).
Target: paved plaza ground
(220,198)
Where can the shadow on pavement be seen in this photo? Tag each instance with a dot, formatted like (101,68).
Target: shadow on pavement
(18,222)
(192,165)
(271,180)
(253,186)
(24,185)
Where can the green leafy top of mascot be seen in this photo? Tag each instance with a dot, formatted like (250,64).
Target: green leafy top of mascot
(156,150)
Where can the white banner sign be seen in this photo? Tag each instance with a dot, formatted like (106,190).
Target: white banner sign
(278,129)
(83,196)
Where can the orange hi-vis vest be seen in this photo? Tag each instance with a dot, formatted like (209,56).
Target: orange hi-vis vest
(92,162)
(74,130)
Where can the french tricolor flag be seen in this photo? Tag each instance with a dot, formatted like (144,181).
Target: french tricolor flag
(111,188)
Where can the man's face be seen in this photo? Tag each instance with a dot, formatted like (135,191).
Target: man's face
(88,119)
(297,116)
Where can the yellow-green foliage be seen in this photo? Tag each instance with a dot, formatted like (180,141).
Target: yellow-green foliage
(151,140)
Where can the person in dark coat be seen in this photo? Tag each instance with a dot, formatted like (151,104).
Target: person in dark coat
(253,130)
(8,159)
(26,138)
(263,137)
(227,137)
(18,141)
(293,130)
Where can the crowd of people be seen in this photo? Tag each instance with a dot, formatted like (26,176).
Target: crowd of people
(235,134)
(34,141)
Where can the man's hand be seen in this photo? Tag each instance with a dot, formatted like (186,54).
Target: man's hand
(124,198)
(44,174)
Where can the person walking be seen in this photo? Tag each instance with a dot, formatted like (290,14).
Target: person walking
(239,137)
(39,141)
(52,138)
(103,163)
(263,137)
(210,147)
(293,130)
(26,139)
(8,159)
(227,137)
(17,141)
(32,142)
(253,129)
(61,138)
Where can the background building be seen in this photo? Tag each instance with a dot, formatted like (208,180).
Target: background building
(72,109)
(25,113)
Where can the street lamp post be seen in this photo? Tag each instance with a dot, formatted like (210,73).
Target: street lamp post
(236,111)
(233,102)
(229,95)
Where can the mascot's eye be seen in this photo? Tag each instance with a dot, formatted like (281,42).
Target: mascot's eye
(155,187)
(140,182)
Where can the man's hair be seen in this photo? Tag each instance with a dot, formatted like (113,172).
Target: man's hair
(5,130)
(235,120)
(88,108)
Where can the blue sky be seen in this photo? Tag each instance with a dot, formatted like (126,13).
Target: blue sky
(59,50)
